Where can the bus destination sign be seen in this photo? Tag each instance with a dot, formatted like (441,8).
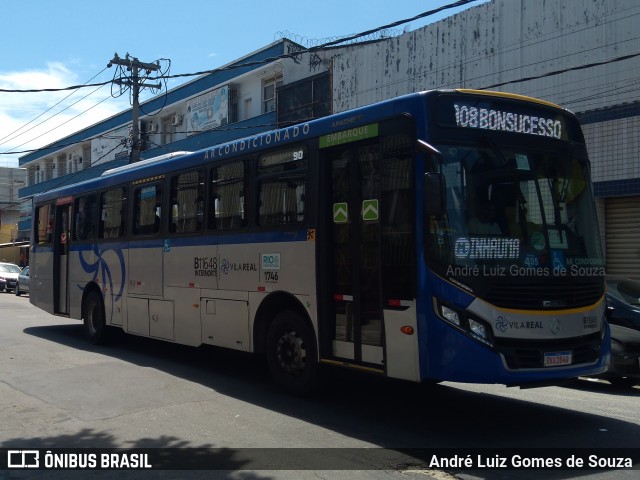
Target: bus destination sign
(502,116)
(471,116)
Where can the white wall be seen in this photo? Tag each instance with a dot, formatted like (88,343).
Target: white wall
(500,41)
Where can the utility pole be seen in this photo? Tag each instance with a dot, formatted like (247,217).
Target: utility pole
(134,65)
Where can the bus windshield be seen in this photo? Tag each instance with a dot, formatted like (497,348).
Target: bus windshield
(515,211)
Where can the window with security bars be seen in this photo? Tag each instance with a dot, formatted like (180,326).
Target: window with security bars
(269,89)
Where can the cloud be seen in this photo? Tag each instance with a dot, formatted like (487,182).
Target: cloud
(33,120)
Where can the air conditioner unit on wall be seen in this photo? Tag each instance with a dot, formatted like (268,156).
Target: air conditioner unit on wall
(152,127)
(176,120)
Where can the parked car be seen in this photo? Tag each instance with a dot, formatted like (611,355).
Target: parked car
(8,276)
(623,312)
(22,285)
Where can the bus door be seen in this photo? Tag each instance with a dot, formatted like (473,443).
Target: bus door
(352,260)
(367,259)
(61,240)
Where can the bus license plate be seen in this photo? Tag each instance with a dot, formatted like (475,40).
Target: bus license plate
(553,359)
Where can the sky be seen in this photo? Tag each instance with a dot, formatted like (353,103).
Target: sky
(70,42)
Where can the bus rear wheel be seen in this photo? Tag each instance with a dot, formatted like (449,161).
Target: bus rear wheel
(292,353)
(95,329)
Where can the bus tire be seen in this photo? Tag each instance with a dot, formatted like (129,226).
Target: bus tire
(292,353)
(95,328)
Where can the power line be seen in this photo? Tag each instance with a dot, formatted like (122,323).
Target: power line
(13,152)
(565,70)
(43,113)
(61,124)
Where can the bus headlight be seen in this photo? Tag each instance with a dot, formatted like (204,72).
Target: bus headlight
(479,330)
(475,328)
(450,315)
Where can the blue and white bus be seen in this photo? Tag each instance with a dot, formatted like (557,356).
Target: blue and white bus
(438,236)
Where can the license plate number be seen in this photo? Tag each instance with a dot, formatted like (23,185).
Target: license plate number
(554,359)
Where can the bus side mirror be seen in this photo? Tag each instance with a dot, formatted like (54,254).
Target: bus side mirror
(434,187)
(434,199)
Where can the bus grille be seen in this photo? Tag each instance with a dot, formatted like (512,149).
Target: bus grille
(544,295)
(520,354)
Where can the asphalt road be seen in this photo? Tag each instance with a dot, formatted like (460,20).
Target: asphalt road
(56,390)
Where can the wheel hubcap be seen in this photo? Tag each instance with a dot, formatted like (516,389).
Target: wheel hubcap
(291,353)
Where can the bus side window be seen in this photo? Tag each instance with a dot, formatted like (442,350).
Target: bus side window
(187,202)
(282,180)
(147,210)
(112,207)
(43,227)
(84,218)
(227,197)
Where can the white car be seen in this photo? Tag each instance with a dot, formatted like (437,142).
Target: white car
(8,276)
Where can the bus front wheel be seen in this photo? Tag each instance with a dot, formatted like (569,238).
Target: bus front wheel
(95,329)
(292,353)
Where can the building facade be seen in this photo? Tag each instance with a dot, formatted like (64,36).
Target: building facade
(11,240)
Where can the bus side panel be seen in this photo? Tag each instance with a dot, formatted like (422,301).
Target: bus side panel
(225,321)
(41,273)
(239,267)
(261,269)
(190,266)
(115,259)
(105,266)
(186,304)
(145,268)
(402,349)
(190,270)
(287,266)
(83,268)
